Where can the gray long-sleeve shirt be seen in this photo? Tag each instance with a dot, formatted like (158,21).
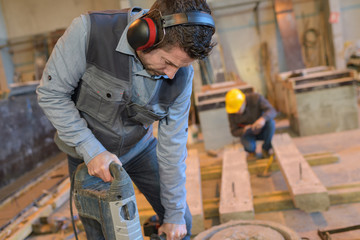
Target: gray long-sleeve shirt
(66,66)
(256,106)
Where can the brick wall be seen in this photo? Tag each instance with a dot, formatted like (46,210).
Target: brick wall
(26,137)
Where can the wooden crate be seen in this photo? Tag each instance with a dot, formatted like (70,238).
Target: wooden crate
(322,102)
(281,95)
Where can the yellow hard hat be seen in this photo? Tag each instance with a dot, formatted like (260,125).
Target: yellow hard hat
(234,99)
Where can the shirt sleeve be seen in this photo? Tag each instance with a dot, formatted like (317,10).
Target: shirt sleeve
(172,153)
(268,111)
(61,75)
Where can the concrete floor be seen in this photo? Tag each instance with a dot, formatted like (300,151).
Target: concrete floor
(347,170)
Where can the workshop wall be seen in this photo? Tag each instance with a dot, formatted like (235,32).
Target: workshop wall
(350,18)
(241,37)
(29,24)
(240,40)
(26,137)
(29,17)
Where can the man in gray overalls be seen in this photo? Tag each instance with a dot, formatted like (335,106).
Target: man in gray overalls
(110,76)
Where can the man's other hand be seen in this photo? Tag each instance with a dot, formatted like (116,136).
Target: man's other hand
(99,165)
(173,231)
(258,125)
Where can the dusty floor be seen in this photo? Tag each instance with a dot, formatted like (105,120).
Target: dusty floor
(347,146)
(347,170)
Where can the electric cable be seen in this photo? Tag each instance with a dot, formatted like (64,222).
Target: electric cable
(71,207)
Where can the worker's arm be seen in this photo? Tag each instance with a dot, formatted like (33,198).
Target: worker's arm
(61,75)
(172,153)
(268,111)
(237,129)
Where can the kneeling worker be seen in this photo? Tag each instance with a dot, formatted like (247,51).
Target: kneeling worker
(251,117)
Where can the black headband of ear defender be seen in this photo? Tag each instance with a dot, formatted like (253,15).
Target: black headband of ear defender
(144,32)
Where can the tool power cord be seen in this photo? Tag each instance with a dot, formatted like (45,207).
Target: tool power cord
(71,205)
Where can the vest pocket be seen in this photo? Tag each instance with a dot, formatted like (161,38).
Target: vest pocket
(142,115)
(101,103)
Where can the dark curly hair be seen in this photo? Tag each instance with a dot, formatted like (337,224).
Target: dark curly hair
(195,40)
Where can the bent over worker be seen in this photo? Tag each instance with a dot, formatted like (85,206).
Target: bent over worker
(110,76)
(251,117)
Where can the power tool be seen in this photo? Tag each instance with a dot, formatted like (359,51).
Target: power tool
(151,227)
(113,204)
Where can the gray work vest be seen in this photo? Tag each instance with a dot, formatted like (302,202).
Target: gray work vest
(104,94)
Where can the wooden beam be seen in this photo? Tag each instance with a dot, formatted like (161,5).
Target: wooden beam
(333,25)
(193,188)
(235,195)
(22,227)
(307,192)
(258,166)
(4,89)
(281,200)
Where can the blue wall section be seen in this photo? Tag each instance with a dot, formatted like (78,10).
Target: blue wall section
(26,137)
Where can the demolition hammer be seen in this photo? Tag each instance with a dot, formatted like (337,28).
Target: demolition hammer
(113,204)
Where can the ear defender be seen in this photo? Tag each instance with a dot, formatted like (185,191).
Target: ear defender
(142,34)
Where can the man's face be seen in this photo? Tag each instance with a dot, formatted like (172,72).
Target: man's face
(242,109)
(162,62)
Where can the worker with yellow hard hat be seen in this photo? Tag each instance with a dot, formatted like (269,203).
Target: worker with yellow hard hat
(251,117)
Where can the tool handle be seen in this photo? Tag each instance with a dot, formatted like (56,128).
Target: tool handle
(82,173)
(115,170)
(121,186)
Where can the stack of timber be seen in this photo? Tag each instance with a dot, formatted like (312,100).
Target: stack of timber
(319,100)
(210,104)
(39,199)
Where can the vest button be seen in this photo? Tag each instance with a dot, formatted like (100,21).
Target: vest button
(108,95)
(49,77)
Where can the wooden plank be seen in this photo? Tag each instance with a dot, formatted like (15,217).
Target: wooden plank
(34,190)
(22,227)
(258,166)
(325,84)
(322,76)
(335,33)
(288,30)
(4,90)
(235,195)
(281,200)
(307,192)
(305,71)
(193,188)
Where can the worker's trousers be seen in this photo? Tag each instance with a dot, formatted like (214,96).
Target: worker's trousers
(248,139)
(144,172)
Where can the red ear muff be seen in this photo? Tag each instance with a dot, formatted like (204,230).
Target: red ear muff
(142,34)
